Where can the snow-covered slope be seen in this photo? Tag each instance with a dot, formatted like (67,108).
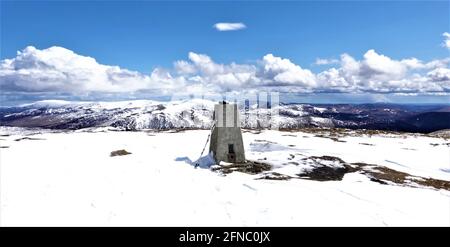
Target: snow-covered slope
(197,113)
(129,115)
(69,178)
(144,114)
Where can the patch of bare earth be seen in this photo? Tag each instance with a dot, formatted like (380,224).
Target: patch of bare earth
(367,144)
(249,167)
(275,176)
(379,174)
(120,152)
(28,138)
(330,168)
(386,174)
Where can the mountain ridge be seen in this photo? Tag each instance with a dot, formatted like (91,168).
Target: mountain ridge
(197,113)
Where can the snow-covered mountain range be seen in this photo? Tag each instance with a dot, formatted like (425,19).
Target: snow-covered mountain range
(197,113)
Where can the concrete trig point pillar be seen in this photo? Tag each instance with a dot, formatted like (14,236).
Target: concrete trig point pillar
(226,137)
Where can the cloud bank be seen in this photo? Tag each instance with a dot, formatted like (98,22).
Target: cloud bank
(446,43)
(226,26)
(59,70)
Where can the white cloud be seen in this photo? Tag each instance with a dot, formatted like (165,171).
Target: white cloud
(60,70)
(184,68)
(379,73)
(282,71)
(440,74)
(332,79)
(381,67)
(438,63)
(219,77)
(446,40)
(227,26)
(205,64)
(326,61)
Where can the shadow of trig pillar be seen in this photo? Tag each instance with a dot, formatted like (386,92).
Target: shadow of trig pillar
(226,137)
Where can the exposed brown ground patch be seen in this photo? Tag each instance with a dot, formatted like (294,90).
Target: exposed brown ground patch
(323,171)
(387,174)
(275,176)
(367,144)
(376,173)
(120,152)
(249,167)
(28,138)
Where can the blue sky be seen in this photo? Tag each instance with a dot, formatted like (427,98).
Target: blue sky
(143,36)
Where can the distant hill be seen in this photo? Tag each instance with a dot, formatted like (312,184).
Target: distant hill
(196,113)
